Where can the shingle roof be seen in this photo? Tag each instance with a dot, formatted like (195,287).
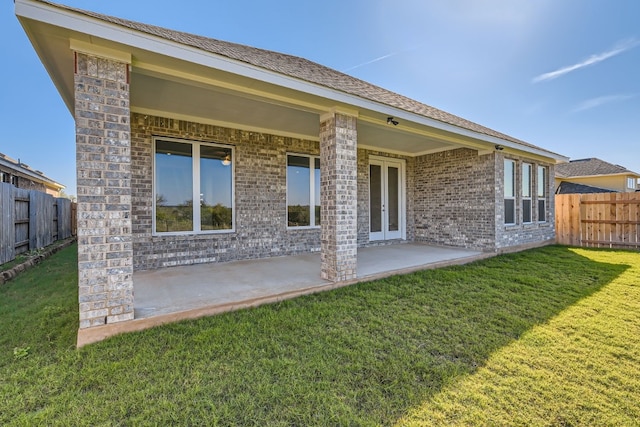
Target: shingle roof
(303,69)
(590,167)
(573,188)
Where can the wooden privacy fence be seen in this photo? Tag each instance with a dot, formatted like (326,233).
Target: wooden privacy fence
(603,220)
(31,220)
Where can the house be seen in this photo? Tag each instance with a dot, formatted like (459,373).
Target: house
(195,150)
(22,176)
(594,176)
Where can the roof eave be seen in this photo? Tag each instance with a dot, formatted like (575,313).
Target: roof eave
(76,22)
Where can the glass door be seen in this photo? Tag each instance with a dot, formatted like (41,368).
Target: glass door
(386,191)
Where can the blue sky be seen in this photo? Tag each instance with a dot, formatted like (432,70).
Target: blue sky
(562,75)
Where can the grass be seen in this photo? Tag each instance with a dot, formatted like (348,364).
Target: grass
(549,336)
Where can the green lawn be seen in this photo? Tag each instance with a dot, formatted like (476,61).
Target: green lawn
(549,336)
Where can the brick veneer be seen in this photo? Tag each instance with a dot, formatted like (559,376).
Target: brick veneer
(446,204)
(339,196)
(260,164)
(509,236)
(105,253)
(453,195)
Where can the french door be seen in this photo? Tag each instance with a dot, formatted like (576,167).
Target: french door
(386,199)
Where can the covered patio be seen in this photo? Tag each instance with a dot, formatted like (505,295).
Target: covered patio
(188,292)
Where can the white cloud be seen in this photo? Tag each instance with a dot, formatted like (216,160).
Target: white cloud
(620,47)
(596,102)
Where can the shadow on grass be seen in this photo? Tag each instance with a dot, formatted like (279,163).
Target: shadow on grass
(362,355)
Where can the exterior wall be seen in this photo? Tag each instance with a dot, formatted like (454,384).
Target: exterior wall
(508,236)
(104,191)
(616,182)
(260,198)
(454,194)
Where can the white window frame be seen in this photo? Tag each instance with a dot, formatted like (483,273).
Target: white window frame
(312,190)
(632,183)
(195,158)
(545,191)
(513,196)
(524,184)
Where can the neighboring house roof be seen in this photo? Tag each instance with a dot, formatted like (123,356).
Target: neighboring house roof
(566,187)
(304,70)
(24,169)
(590,167)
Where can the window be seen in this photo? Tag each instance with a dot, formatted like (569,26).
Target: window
(14,180)
(185,172)
(303,191)
(631,183)
(4,177)
(527,169)
(542,193)
(509,192)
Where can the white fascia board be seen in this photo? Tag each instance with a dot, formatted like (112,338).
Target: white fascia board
(92,26)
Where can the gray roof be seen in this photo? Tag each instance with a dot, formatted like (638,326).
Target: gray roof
(303,69)
(590,167)
(566,187)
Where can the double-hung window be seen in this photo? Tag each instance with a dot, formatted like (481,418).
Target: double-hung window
(631,183)
(193,187)
(527,171)
(542,193)
(509,192)
(303,191)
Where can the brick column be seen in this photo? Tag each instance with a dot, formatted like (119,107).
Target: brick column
(103,154)
(339,196)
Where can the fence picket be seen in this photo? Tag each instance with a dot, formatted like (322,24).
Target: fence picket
(31,219)
(598,220)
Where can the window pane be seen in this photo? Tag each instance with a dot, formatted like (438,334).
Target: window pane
(174,187)
(526,210)
(526,180)
(298,197)
(317,191)
(542,210)
(394,195)
(375,197)
(216,204)
(509,211)
(542,181)
(509,170)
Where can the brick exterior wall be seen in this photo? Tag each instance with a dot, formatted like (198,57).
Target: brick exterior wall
(453,199)
(105,254)
(260,197)
(447,198)
(511,236)
(339,196)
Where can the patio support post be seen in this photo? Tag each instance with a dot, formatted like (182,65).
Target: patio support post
(103,155)
(338,195)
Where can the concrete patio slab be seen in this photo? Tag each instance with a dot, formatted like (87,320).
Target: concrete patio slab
(187,292)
